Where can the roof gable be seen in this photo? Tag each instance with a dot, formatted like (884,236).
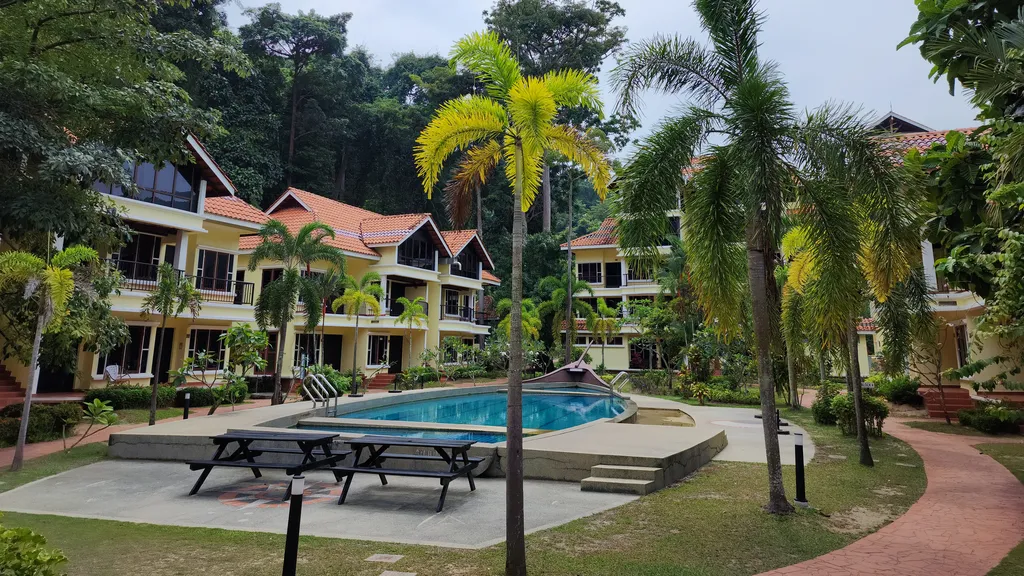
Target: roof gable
(457,241)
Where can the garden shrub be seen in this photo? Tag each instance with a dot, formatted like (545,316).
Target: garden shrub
(994,419)
(418,376)
(875,413)
(337,379)
(898,390)
(22,553)
(132,397)
(655,382)
(200,397)
(821,409)
(735,396)
(724,383)
(46,422)
(466,372)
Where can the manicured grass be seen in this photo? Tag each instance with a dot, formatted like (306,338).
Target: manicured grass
(141,416)
(944,428)
(711,524)
(1011,456)
(51,464)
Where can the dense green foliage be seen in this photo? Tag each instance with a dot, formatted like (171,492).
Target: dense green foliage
(340,381)
(131,397)
(898,390)
(24,553)
(875,412)
(46,422)
(999,419)
(821,408)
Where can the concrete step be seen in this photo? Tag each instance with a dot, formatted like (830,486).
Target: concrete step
(621,485)
(656,475)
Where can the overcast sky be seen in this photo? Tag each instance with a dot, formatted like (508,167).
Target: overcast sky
(827,49)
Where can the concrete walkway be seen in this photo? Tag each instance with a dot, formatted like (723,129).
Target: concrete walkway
(37,449)
(970,516)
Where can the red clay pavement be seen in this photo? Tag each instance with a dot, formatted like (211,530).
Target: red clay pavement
(970,516)
(38,449)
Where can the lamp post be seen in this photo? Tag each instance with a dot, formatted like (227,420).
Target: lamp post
(798,444)
(188,397)
(291,540)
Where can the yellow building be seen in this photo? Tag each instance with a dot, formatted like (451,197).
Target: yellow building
(600,263)
(189,216)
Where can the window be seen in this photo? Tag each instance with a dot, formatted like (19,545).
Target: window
(582,340)
(308,346)
(270,354)
(215,270)
(418,251)
(269,275)
(869,342)
(613,341)
(172,186)
(208,341)
(451,303)
(468,264)
(673,227)
(377,351)
(131,357)
(639,275)
(589,272)
(963,345)
(139,259)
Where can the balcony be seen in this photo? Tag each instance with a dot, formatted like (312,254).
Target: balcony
(422,263)
(137,275)
(459,313)
(224,290)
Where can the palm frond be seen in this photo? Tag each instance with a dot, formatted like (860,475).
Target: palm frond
(574,89)
(473,170)
(457,125)
(581,150)
(532,166)
(670,65)
(532,108)
(733,26)
(74,256)
(487,57)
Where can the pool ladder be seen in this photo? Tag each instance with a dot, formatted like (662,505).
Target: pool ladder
(616,385)
(319,389)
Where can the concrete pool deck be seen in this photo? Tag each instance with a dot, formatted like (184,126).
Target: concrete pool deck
(402,512)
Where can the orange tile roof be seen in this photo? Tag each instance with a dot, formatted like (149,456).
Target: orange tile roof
(922,141)
(603,236)
(383,230)
(866,325)
(488,277)
(236,208)
(457,239)
(337,215)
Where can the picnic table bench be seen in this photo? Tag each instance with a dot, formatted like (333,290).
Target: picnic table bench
(314,447)
(455,453)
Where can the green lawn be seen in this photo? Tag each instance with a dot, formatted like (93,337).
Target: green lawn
(712,524)
(141,415)
(944,428)
(1011,456)
(37,468)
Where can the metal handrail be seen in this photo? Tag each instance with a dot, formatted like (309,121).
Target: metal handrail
(312,391)
(329,387)
(625,380)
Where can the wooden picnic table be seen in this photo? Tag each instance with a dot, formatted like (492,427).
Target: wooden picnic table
(455,453)
(314,447)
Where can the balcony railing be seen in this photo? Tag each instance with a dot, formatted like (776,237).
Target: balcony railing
(424,263)
(137,275)
(456,312)
(224,290)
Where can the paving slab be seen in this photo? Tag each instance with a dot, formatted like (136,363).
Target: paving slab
(402,512)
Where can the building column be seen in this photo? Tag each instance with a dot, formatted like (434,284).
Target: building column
(181,250)
(201,208)
(386,308)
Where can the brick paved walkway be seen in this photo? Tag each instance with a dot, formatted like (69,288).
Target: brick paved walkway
(970,516)
(37,449)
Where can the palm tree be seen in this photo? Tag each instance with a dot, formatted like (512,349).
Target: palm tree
(51,284)
(514,122)
(767,158)
(529,318)
(328,283)
(604,324)
(278,299)
(412,316)
(563,310)
(366,292)
(172,295)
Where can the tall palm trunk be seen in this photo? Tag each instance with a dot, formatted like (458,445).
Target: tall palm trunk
(33,376)
(858,403)
(355,359)
(794,397)
(282,336)
(822,372)
(570,330)
(515,536)
(156,370)
(545,196)
(479,214)
(757,270)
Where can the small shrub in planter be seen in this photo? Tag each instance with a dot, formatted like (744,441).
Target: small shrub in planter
(821,409)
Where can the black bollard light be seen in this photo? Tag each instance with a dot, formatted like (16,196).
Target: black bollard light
(188,396)
(798,444)
(291,540)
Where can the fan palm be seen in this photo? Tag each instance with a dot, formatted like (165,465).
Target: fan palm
(278,299)
(604,324)
(515,123)
(768,157)
(564,310)
(365,292)
(172,295)
(51,285)
(412,316)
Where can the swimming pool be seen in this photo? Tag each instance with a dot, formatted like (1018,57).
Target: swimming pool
(487,437)
(542,411)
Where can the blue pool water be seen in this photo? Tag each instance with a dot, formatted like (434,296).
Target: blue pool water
(543,411)
(488,437)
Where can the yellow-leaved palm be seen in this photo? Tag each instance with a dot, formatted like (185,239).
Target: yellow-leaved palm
(364,292)
(604,324)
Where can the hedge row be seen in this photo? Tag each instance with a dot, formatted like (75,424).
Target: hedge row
(132,397)
(46,422)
